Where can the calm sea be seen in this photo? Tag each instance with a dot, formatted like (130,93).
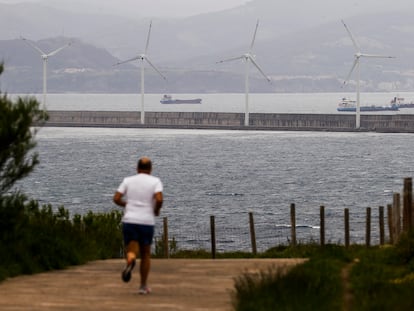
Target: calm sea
(260,103)
(226,174)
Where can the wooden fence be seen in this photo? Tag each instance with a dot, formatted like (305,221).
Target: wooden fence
(398,223)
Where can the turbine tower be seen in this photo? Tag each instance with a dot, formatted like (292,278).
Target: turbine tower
(144,58)
(248,57)
(356,65)
(45,57)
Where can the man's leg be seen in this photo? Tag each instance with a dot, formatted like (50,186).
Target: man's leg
(132,251)
(130,256)
(145,264)
(145,252)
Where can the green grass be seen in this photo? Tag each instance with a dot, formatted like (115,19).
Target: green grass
(381,278)
(303,288)
(384,278)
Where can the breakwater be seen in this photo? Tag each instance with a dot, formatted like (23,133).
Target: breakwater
(403,123)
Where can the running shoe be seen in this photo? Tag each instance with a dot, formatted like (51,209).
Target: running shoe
(144,290)
(126,274)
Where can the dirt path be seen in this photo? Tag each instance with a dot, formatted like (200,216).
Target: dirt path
(348,296)
(177,284)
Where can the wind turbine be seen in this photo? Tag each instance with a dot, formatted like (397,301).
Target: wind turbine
(144,58)
(248,57)
(45,57)
(357,56)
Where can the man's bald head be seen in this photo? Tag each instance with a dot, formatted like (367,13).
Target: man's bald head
(144,165)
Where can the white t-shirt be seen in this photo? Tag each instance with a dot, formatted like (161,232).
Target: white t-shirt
(139,191)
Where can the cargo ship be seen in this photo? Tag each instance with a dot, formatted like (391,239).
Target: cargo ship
(348,105)
(168,99)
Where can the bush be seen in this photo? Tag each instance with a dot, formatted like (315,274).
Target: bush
(34,238)
(314,285)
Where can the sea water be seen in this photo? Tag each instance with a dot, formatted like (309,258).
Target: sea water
(228,174)
(258,103)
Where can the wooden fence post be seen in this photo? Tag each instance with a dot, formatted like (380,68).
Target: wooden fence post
(322,225)
(368,228)
(381,225)
(396,216)
(252,233)
(165,238)
(213,237)
(390,222)
(293,223)
(347,227)
(407,205)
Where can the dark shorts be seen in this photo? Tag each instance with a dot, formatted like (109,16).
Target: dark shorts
(141,233)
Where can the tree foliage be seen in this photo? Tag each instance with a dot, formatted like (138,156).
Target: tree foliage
(17,132)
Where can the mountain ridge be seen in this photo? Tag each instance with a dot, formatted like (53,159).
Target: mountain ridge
(187,51)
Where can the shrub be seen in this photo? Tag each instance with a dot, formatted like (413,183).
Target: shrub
(33,238)
(314,285)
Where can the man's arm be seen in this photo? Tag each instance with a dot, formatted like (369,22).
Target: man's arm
(158,203)
(118,199)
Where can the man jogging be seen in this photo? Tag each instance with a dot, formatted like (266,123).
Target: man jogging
(141,196)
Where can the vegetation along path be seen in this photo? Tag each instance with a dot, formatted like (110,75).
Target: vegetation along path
(177,284)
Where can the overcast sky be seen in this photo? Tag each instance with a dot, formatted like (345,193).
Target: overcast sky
(153,8)
(324,10)
(181,8)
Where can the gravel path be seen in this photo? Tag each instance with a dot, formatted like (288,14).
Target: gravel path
(177,284)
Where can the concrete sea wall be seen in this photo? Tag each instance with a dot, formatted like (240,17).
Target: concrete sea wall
(217,120)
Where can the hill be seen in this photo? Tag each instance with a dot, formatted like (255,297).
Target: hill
(303,51)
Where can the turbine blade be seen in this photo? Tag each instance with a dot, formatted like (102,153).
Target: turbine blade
(155,68)
(33,46)
(356,45)
(254,36)
(148,37)
(352,69)
(258,68)
(128,60)
(59,49)
(377,56)
(230,59)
